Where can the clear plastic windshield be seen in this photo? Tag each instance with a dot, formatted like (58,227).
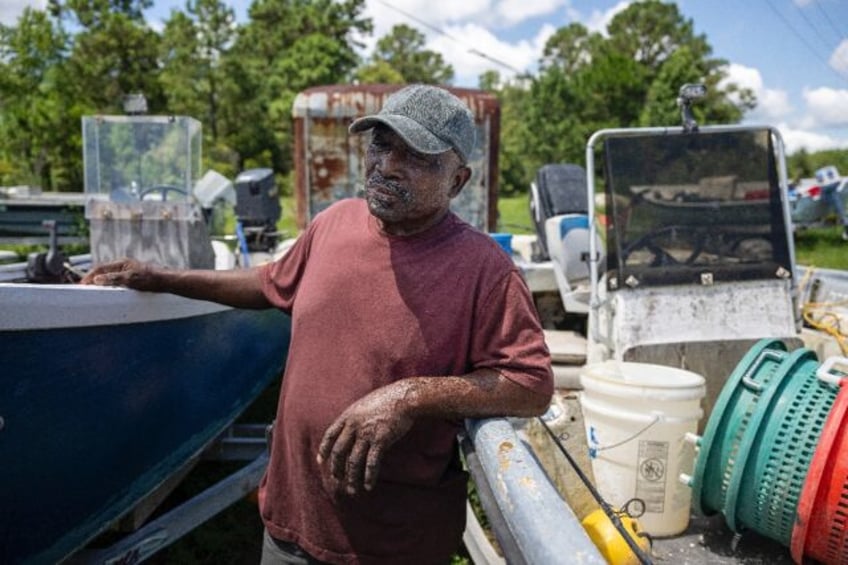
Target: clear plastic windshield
(130,158)
(699,208)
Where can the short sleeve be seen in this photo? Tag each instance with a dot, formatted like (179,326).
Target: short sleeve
(281,278)
(508,336)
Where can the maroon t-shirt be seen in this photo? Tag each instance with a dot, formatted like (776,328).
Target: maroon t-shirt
(369,309)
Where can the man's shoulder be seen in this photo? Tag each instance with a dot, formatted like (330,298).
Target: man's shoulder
(343,212)
(345,206)
(481,247)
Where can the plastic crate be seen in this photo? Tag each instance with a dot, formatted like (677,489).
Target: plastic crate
(821,526)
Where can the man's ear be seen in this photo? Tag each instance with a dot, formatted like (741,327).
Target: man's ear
(460,178)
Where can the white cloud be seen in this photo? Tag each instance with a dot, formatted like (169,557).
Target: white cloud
(426,16)
(466,57)
(465,33)
(839,59)
(826,107)
(812,141)
(598,21)
(821,124)
(772,104)
(511,12)
(10,10)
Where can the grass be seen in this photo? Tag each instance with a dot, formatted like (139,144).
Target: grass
(821,247)
(514,215)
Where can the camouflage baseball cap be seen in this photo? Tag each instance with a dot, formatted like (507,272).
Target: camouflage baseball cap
(430,119)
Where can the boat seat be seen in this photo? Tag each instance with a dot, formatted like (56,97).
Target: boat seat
(559,189)
(568,245)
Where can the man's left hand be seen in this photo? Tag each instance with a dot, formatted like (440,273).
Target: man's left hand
(355,443)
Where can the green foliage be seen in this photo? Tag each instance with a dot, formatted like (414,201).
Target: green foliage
(379,72)
(402,50)
(192,75)
(240,79)
(627,78)
(114,54)
(516,164)
(37,143)
(650,31)
(514,214)
(804,165)
(569,49)
(287,46)
(489,81)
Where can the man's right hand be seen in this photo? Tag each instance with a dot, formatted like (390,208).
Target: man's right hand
(239,288)
(127,272)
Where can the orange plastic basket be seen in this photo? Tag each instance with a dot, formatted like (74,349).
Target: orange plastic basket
(821,526)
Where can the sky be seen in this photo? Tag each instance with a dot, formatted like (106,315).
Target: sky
(792,53)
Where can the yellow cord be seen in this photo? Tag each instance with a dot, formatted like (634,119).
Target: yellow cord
(827,321)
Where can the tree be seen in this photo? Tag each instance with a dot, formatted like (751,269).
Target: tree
(114,54)
(682,67)
(402,50)
(39,121)
(489,81)
(569,48)
(630,78)
(192,48)
(287,46)
(378,72)
(516,165)
(649,32)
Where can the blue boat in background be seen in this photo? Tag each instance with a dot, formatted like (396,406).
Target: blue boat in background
(109,396)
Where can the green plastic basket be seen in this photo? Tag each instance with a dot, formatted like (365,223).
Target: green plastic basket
(770,486)
(730,420)
(760,439)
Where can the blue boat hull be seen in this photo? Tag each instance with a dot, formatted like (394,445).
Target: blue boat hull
(95,418)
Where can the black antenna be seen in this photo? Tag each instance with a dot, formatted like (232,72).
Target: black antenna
(688,93)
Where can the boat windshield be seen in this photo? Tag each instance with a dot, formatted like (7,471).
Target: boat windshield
(131,158)
(693,208)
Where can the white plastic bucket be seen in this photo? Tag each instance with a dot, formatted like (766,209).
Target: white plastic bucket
(637,416)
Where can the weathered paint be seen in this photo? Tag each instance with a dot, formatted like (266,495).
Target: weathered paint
(330,162)
(533,523)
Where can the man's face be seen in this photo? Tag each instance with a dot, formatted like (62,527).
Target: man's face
(406,190)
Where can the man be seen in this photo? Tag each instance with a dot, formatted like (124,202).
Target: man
(405,321)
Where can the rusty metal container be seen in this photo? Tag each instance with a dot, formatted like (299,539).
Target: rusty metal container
(329,162)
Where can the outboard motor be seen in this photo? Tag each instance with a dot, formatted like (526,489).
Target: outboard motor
(257,209)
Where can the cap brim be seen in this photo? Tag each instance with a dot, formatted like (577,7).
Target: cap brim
(414,134)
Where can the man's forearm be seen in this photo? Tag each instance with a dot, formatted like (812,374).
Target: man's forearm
(354,444)
(480,394)
(240,288)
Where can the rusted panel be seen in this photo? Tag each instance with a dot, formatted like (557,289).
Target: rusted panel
(330,163)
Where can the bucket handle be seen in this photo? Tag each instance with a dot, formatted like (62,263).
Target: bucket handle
(594,450)
(747,379)
(651,419)
(824,371)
